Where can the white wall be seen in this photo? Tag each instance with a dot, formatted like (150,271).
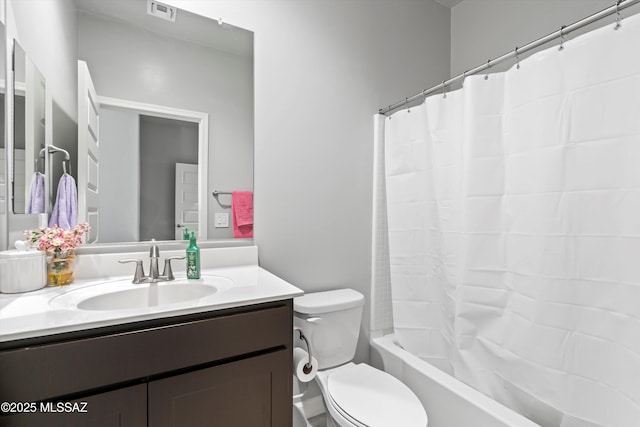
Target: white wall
(322,69)
(483,30)
(119,186)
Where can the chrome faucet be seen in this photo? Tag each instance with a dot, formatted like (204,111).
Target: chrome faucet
(154,276)
(154,254)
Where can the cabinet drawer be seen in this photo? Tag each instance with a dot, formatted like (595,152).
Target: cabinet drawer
(46,371)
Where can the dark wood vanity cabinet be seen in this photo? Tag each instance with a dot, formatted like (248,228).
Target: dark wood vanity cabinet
(223,368)
(241,393)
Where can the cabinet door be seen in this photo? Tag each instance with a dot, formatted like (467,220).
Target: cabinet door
(126,407)
(252,392)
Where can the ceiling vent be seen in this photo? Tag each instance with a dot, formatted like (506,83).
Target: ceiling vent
(161,10)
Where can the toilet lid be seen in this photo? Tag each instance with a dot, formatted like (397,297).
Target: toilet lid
(375,398)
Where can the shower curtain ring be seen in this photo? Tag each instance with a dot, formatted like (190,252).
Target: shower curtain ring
(618,16)
(517,59)
(486,76)
(444,90)
(562,37)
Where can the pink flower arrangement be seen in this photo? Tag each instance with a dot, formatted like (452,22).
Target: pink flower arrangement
(57,240)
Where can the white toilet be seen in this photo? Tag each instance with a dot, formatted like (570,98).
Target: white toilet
(356,395)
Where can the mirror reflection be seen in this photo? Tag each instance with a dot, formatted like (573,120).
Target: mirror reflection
(2,120)
(156,156)
(157,84)
(29,134)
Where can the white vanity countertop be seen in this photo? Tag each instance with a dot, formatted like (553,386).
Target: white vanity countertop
(33,314)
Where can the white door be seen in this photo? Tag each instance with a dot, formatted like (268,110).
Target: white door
(186,211)
(88,151)
(2,183)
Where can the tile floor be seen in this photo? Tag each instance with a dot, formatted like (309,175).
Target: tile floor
(319,421)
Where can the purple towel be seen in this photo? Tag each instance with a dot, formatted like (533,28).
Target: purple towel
(35,204)
(65,211)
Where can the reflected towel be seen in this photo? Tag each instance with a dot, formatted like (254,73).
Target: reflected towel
(35,204)
(242,211)
(65,211)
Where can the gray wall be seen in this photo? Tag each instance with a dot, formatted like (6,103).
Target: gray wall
(322,69)
(182,75)
(482,30)
(40,25)
(119,186)
(163,143)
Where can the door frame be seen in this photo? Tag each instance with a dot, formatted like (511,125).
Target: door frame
(202,119)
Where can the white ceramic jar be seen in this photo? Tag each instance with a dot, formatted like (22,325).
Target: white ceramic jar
(22,271)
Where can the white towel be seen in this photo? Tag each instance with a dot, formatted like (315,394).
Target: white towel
(65,211)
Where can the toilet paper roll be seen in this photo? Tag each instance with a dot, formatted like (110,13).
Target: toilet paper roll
(300,359)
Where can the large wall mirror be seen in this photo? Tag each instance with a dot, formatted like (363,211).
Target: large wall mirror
(3,155)
(168,103)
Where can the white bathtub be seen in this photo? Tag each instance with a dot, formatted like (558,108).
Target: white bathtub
(448,401)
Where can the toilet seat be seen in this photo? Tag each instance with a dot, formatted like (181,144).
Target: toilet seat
(368,397)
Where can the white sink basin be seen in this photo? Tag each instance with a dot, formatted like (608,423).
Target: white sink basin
(148,296)
(123,295)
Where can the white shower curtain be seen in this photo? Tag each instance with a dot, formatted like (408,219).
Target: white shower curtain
(514,231)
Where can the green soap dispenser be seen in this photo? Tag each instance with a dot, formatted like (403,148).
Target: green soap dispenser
(193,258)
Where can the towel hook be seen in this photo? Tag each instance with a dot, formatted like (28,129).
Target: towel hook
(562,37)
(517,59)
(52,149)
(618,16)
(66,163)
(486,76)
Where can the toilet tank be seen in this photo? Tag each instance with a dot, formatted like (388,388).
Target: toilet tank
(331,322)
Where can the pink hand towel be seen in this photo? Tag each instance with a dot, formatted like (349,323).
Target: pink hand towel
(242,210)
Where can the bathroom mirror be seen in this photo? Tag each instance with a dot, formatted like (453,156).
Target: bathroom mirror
(193,65)
(3,177)
(29,130)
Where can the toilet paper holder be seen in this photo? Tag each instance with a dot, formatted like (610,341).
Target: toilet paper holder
(307,367)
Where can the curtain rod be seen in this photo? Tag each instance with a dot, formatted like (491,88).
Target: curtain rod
(563,31)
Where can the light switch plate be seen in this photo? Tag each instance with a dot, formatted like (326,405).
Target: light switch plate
(221,220)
